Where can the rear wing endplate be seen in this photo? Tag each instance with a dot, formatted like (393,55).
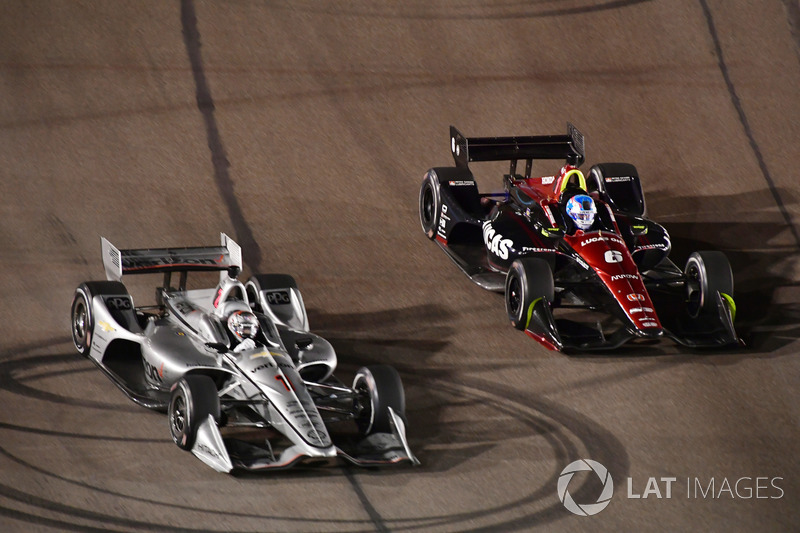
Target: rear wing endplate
(153,260)
(569,147)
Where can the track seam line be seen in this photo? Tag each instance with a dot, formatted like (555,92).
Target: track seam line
(737,104)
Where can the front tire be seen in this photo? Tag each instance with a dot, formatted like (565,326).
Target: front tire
(82,321)
(527,281)
(706,274)
(377,388)
(193,398)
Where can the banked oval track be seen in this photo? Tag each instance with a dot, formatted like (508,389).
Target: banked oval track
(303,130)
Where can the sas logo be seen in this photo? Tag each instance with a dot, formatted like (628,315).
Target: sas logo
(495,242)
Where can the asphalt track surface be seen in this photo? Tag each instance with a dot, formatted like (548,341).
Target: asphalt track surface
(303,130)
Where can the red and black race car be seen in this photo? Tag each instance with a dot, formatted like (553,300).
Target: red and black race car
(581,245)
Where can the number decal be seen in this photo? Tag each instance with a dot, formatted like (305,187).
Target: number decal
(613,256)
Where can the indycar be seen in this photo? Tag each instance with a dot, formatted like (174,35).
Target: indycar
(592,282)
(267,401)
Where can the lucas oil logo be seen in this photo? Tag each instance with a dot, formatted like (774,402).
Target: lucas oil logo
(495,242)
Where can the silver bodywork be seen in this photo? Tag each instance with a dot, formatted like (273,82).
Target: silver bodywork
(274,386)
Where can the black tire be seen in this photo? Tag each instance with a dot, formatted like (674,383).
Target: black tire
(193,398)
(377,388)
(526,281)
(264,282)
(81,316)
(430,205)
(706,273)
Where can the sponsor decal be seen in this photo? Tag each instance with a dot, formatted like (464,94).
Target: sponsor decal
(208,451)
(317,435)
(531,249)
(649,325)
(106,326)
(591,508)
(461,183)
(618,179)
(495,242)
(262,366)
(135,263)
(154,373)
(119,303)
(660,246)
(602,238)
(616,277)
(635,297)
(443,218)
(547,180)
(279,298)
(216,299)
(549,214)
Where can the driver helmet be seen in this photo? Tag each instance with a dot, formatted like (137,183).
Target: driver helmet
(581,210)
(243,325)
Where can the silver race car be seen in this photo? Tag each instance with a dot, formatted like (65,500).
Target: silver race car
(244,383)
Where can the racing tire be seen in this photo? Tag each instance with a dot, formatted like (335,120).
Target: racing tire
(706,274)
(377,388)
(81,315)
(192,399)
(430,205)
(527,281)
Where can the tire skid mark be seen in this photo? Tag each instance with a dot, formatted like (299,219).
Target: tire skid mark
(219,158)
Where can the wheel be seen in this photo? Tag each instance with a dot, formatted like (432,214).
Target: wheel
(706,274)
(527,280)
(377,388)
(430,205)
(193,398)
(82,321)
(81,314)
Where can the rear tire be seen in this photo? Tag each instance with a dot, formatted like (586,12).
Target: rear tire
(527,280)
(377,388)
(430,205)
(706,273)
(193,398)
(81,315)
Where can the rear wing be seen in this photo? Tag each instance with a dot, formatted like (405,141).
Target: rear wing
(569,147)
(153,260)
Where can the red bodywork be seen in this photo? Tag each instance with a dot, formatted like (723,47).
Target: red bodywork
(605,252)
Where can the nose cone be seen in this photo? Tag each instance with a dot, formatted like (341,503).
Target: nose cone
(607,254)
